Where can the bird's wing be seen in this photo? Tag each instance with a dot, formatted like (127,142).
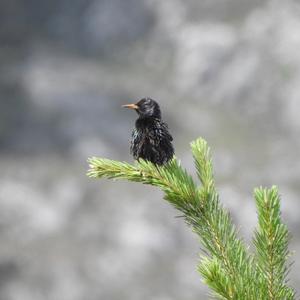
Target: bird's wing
(166,131)
(158,133)
(137,142)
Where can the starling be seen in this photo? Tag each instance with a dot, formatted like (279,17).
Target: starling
(151,139)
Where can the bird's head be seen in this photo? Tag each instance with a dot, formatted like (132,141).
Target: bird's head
(146,108)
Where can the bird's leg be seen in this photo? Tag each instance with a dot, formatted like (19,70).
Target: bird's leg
(140,171)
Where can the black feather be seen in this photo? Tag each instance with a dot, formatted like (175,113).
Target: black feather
(151,139)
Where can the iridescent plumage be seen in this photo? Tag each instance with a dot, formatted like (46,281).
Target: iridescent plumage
(151,139)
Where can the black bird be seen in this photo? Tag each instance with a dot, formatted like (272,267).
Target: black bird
(151,139)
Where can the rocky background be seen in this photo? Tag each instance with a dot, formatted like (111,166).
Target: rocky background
(226,70)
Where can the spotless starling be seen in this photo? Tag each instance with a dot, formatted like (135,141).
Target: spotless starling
(151,139)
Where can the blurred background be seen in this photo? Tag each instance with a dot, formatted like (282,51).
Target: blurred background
(226,70)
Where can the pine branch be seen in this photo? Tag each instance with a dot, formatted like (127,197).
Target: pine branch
(179,187)
(218,234)
(228,268)
(271,242)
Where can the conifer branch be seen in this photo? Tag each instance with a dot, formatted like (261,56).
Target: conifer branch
(271,241)
(227,268)
(217,232)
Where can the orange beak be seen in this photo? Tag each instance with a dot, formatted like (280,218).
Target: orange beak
(131,106)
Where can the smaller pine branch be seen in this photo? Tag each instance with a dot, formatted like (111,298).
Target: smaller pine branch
(203,163)
(271,242)
(215,277)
